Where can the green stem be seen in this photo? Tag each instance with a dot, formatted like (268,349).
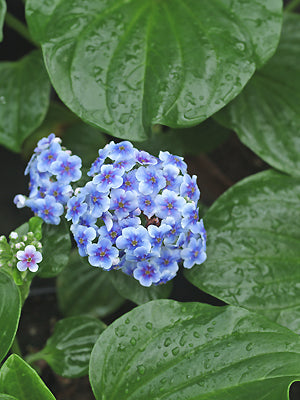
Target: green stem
(19,27)
(15,348)
(30,358)
(293,4)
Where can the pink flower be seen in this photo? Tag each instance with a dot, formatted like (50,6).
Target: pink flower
(29,258)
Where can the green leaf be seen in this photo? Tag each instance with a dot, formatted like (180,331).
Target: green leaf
(7,397)
(84,141)
(202,138)
(56,249)
(18,379)
(35,226)
(83,289)
(10,309)
(170,350)
(266,114)
(125,65)
(68,350)
(131,289)
(253,253)
(24,99)
(2,16)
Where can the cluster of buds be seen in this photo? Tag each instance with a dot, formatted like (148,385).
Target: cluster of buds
(20,252)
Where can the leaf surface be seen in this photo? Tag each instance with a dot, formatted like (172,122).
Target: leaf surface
(174,351)
(83,289)
(266,114)
(10,309)
(69,349)
(24,99)
(253,252)
(18,379)
(125,65)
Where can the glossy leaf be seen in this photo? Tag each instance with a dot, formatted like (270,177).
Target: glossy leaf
(10,309)
(69,349)
(7,397)
(199,139)
(131,289)
(2,16)
(56,249)
(125,65)
(83,289)
(266,114)
(174,351)
(18,379)
(253,252)
(24,99)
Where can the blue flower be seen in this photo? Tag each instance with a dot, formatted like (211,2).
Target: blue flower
(48,156)
(173,234)
(76,208)
(124,165)
(147,204)
(189,188)
(61,192)
(102,254)
(108,178)
(44,143)
(151,180)
(133,238)
(190,218)
(122,150)
(170,159)
(123,202)
(193,254)
(29,259)
(88,219)
(140,254)
(97,164)
(173,179)
(48,209)
(113,234)
(66,168)
(146,273)
(98,201)
(83,236)
(158,234)
(168,263)
(142,157)
(130,182)
(169,204)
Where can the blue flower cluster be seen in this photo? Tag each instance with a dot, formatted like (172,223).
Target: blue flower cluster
(51,170)
(138,213)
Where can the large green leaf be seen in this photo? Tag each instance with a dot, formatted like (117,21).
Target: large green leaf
(131,289)
(83,289)
(266,114)
(18,379)
(69,349)
(56,249)
(2,16)
(253,252)
(172,351)
(123,65)
(24,99)
(10,309)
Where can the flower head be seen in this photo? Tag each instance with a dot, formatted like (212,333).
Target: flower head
(29,259)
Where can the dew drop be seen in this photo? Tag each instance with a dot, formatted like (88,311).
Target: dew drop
(182,341)
(127,321)
(134,328)
(217,354)
(167,342)
(166,354)
(196,335)
(133,341)
(175,351)
(141,369)
(149,326)
(249,346)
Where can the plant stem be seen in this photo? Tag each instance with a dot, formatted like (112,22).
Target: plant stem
(30,358)
(15,348)
(19,27)
(293,4)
